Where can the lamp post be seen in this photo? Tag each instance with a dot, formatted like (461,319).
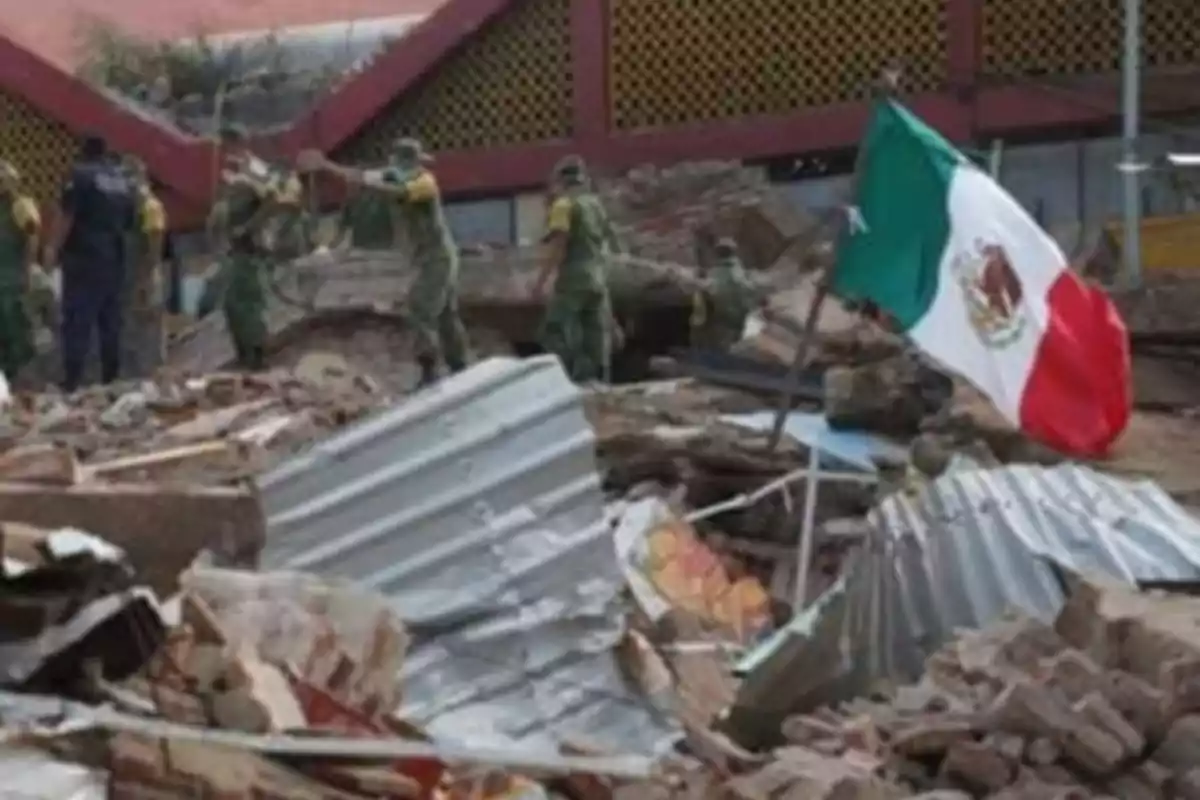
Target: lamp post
(1131,123)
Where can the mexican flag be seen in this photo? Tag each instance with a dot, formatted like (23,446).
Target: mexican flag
(972,280)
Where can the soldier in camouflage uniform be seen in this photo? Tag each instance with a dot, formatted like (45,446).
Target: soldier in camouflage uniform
(720,309)
(143,335)
(292,227)
(578,322)
(20,225)
(421,225)
(246,204)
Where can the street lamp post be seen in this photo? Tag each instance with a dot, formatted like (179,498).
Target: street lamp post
(1131,123)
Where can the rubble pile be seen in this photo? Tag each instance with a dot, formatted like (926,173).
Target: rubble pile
(369,344)
(209,430)
(325,291)
(893,395)
(705,519)
(658,214)
(227,667)
(1165,339)
(1102,704)
(669,435)
(660,211)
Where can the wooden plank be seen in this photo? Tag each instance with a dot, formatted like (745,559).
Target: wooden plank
(161,528)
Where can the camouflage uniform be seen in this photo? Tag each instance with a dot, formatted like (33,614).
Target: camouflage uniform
(577,325)
(433,299)
(143,337)
(246,262)
(292,233)
(19,220)
(367,219)
(719,311)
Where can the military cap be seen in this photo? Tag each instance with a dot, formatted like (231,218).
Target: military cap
(570,168)
(410,150)
(726,247)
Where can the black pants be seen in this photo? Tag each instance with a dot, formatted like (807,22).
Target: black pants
(91,300)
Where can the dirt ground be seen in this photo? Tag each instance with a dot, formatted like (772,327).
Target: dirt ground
(1164,448)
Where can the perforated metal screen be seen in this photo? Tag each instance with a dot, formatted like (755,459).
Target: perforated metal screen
(1023,38)
(510,85)
(41,148)
(682,61)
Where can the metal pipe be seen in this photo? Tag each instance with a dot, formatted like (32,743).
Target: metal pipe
(808,522)
(1131,123)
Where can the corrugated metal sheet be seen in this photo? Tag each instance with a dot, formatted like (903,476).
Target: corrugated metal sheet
(476,508)
(978,542)
(960,553)
(34,775)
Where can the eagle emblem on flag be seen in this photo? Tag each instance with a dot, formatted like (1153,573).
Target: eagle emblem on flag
(992,293)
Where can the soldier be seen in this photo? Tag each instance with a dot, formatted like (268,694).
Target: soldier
(421,225)
(292,228)
(578,326)
(144,338)
(719,310)
(246,204)
(20,224)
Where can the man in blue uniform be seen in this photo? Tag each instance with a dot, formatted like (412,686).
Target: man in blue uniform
(96,215)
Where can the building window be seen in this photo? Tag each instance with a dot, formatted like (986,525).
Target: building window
(479,222)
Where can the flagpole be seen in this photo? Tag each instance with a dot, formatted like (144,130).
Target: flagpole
(1130,115)
(886,87)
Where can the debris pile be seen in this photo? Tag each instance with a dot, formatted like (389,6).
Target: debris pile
(161,469)
(1102,704)
(843,336)
(338,291)
(209,430)
(489,481)
(669,439)
(893,395)
(1098,704)
(660,212)
(268,655)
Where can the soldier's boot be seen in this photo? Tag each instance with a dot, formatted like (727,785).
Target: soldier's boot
(256,359)
(455,365)
(429,371)
(239,354)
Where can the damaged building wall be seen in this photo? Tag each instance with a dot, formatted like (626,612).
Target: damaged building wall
(476,507)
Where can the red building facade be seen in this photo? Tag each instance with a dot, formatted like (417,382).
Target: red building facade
(500,89)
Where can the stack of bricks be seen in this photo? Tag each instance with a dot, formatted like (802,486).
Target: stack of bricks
(1103,704)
